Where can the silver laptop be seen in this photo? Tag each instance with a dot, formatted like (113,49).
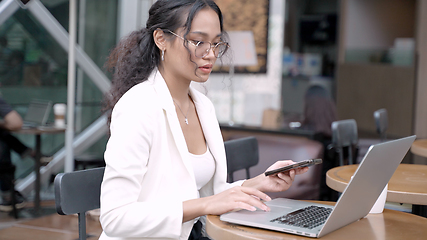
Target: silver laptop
(37,113)
(370,178)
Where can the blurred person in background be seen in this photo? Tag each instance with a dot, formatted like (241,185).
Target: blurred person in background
(11,121)
(5,53)
(319,113)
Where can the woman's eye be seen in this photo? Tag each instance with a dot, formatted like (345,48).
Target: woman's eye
(197,43)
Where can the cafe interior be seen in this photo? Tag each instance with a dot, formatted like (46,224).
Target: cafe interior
(313,79)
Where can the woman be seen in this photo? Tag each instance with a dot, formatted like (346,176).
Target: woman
(165,159)
(319,111)
(319,114)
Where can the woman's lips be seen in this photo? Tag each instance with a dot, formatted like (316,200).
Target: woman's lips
(206,68)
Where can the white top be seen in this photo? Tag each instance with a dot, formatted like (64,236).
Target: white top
(203,167)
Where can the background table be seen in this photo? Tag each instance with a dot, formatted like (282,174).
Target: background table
(407,185)
(389,225)
(419,147)
(37,132)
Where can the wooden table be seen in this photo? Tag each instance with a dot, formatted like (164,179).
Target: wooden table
(389,225)
(419,147)
(37,132)
(407,185)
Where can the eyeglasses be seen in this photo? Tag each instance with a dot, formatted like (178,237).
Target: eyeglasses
(203,48)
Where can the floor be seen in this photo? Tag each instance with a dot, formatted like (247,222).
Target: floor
(48,225)
(51,226)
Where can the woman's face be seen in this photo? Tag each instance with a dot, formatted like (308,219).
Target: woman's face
(184,64)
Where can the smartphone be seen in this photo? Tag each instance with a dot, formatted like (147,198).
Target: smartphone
(305,163)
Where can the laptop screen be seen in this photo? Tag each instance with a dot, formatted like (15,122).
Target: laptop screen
(38,112)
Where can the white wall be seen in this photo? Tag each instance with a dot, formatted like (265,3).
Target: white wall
(375,24)
(133,15)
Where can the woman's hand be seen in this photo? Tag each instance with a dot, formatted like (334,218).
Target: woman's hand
(276,182)
(235,198)
(249,196)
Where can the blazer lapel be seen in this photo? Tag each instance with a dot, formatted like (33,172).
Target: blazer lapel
(172,120)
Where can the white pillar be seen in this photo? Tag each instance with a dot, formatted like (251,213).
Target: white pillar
(69,134)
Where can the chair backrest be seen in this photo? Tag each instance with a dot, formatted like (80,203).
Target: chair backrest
(344,134)
(381,121)
(78,192)
(241,153)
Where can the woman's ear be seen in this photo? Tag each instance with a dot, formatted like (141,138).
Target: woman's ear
(159,39)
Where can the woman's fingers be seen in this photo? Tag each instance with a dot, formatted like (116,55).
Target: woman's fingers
(253,197)
(250,198)
(234,199)
(249,207)
(288,178)
(301,170)
(255,193)
(280,164)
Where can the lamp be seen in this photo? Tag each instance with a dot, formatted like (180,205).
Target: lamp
(242,53)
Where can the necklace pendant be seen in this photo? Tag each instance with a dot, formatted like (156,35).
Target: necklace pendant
(186,121)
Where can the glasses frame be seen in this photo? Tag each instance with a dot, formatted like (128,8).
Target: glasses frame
(207,50)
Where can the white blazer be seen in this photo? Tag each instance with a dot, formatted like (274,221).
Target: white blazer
(148,173)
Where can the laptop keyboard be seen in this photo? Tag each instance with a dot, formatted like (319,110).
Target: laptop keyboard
(309,217)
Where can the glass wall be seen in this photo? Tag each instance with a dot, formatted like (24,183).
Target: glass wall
(33,65)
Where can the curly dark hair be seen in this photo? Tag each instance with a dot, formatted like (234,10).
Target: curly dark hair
(136,56)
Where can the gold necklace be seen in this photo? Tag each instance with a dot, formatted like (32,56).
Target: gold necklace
(185,115)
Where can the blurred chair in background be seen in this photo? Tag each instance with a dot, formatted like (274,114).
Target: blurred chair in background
(345,138)
(241,153)
(381,121)
(342,150)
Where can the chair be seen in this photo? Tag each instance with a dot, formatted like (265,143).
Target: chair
(344,136)
(381,121)
(78,192)
(241,153)
(86,160)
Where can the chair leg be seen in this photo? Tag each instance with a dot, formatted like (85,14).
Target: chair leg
(82,226)
(341,157)
(350,155)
